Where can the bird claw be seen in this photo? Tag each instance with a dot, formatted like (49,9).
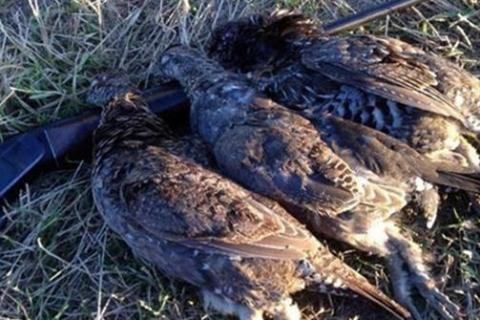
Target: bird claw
(435,299)
(439,301)
(429,202)
(474,203)
(431,220)
(408,272)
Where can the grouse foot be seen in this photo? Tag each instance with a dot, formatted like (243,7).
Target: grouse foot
(408,271)
(474,203)
(284,309)
(429,202)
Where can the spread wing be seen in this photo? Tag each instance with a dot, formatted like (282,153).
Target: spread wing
(279,153)
(386,67)
(192,206)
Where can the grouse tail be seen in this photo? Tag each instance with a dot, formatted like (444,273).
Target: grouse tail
(463,181)
(333,276)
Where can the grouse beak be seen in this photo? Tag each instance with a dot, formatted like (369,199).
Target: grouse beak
(171,46)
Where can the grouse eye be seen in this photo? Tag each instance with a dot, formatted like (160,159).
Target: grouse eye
(229,35)
(165,58)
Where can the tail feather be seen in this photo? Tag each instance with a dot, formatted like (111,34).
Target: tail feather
(335,273)
(467,182)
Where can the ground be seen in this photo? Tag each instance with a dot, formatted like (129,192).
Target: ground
(58,260)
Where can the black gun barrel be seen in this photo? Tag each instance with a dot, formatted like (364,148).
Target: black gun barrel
(369,14)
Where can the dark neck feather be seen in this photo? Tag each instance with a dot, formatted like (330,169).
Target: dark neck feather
(128,123)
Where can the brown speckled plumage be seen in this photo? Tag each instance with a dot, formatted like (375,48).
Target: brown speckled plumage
(344,185)
(243,251)
(381,82)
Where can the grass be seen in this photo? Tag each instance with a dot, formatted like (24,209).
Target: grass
(58,260)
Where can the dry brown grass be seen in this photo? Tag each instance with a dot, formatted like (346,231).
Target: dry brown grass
(58,260)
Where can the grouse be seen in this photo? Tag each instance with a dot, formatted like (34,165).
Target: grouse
(280,154)
(244,252)
(420,98)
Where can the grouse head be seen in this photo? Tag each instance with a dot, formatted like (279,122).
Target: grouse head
(190,67)
(255,42)
(114,92)
(242,44)
(177,60)
(106,86)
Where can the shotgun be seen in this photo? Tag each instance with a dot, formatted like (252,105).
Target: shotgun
(47,144)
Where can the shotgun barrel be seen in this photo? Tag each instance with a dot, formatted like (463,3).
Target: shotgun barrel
(369,14)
